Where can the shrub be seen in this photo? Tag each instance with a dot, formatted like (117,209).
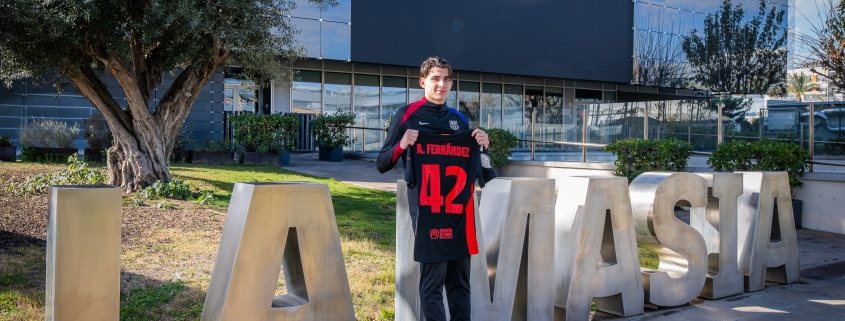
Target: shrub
(48,133)
(4,141)
(174,189)
(763,155)
(636,156)
(97,133)
(270,133)
(502,143)
(77,173)
(330,130)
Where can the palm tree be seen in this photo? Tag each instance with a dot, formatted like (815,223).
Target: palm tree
(799,84)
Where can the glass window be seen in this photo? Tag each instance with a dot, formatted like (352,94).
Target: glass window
(228,99)
(609,97)
(706,6)
(588,95)
(366,107)
(468,101)
(514,119)
(338,93)
(304,9)
(335,40)
(341,13)
(642,11)
(452,99)
(309,35)
(307,92)
(394,92)
(491,105)
(415,92)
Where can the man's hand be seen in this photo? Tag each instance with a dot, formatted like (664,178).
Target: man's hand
(481,138)
(409,138)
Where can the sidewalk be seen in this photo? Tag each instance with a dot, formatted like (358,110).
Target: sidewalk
(819,296)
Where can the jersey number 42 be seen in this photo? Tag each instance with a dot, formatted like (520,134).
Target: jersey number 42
(431,194)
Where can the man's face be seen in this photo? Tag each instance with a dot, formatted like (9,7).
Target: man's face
(437,85)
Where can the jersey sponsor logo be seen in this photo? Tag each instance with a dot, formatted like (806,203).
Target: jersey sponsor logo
(443,149)
(453,124)
(485,161)
(434,233)
(446,234)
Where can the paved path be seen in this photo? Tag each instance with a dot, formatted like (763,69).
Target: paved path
(819,296)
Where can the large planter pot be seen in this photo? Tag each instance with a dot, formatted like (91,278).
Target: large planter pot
(53,155)
(797,212)
(323,154)
(181,156)
(95,155)
(335,154)
(7,153)
(261,158)
(284,158)
(206,157)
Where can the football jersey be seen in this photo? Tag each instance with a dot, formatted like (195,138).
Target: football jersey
(444,168)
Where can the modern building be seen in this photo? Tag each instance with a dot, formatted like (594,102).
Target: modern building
(512,59)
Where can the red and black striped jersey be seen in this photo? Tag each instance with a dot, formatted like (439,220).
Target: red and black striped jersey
(443,168)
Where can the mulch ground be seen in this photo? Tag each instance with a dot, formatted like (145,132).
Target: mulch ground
(23,219)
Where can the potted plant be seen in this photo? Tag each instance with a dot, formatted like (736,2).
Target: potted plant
(98,137)
(47,141)
(635,156)
(181,153)
(765,155)
(7,150)
(265,138)
(331,136)
(214,153)
(502,143)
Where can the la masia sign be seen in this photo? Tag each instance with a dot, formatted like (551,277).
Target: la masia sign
(569,249)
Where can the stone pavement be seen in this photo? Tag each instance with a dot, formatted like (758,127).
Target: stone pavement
(819,296)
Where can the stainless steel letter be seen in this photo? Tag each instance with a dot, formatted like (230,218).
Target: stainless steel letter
(407,300)
(83,253)
(768,252)
(516,216)
(681,249)
(270,225)
(595,249)
(719,231)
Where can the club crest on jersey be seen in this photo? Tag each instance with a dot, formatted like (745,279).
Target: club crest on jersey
(453,124)
(434,234)
(485,161)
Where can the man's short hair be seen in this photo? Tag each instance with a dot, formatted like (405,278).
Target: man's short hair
(434,62)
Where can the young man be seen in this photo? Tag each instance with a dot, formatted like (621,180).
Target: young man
(443,251)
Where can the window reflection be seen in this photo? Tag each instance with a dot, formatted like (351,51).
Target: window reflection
(468,101)
(514,120)
(306,92)
(415,92)
(305,9)
(341,13)
(366,93)
(393,95)
(338,93)
(309,35)
(491,103)
(335,40)
(228,99)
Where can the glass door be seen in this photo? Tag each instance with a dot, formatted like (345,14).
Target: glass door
(242,99)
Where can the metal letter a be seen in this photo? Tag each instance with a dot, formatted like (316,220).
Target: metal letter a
(257,241)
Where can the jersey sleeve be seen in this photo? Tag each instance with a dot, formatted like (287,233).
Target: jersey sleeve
(391,151)
(410,171)
(487,174)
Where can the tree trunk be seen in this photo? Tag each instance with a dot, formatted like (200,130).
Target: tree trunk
(143,140)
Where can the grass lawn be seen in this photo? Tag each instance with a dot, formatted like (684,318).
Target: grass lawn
(168,251)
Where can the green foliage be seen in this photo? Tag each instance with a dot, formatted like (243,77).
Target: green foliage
(146,303)
(330,130)
(836,147)
(732,107)
(4,141)
(222,145)
(47,133)
(763,155)
(502,143)
(77,173)
(270,133)
(173,189)
(737,54)
(635,156)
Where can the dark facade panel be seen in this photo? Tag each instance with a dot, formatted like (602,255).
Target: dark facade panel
(589,40)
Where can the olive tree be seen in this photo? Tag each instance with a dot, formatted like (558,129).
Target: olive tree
(136,42)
